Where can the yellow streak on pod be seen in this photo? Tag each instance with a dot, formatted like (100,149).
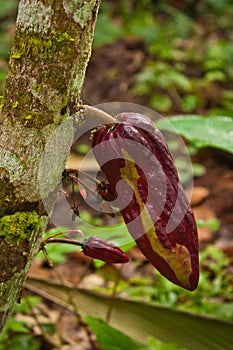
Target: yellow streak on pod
(177,258)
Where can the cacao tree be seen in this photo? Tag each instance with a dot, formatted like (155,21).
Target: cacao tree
(48,59)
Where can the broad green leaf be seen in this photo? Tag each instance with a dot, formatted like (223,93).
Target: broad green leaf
(139,320)
(155,344)
(109,338)
(214,131)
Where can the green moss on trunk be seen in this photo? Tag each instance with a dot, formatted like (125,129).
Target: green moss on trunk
(52,46)
(18,227)
(48,60)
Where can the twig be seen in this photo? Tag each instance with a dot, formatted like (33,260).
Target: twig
(113,295)
(65,240)
(97,114)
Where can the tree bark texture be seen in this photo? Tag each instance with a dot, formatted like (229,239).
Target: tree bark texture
(48,60)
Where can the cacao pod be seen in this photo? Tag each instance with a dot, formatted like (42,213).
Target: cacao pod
(142,178)
(96,248)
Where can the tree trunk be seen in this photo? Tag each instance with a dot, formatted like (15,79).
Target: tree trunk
(51,49)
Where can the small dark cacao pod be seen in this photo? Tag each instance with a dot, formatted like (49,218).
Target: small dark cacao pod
(96,248)
(158,215)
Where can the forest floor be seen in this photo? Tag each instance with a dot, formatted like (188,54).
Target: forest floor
(110,76)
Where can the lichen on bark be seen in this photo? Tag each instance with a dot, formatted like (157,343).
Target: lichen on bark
(48,59)
(47,66)
(49,56)
(36,17)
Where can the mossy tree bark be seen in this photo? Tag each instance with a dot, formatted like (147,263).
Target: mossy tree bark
(51,49)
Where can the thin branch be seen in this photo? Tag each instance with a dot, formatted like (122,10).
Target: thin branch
(96,114)
(65,240)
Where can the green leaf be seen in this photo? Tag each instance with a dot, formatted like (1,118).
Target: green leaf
(110,338)
(214,131)
(106,31)
(27,303)
(154,344)
(161,102)
(24,342)
(189,102)
(139,320)
(16,325)
(213,224)
(215,75)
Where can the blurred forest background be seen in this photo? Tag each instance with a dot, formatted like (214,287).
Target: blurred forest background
(175,57)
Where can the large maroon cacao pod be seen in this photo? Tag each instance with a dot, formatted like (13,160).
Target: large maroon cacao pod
(141,175)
